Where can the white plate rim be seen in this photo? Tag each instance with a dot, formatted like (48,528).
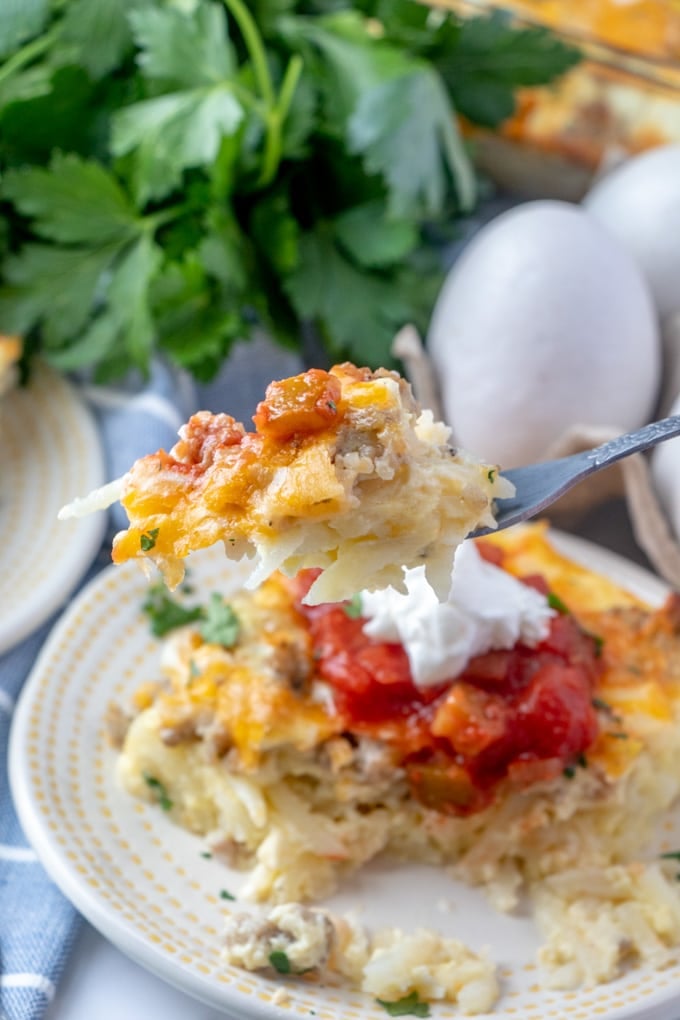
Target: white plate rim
(661,1004)
(78,544)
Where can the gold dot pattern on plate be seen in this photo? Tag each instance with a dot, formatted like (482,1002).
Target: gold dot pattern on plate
(129,861)
(50,453)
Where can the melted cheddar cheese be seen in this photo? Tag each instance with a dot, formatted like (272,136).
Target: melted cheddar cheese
(291,783)
(266,693)
(343,472)
(10,352)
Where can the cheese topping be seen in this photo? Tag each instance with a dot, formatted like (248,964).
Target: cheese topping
(343,472)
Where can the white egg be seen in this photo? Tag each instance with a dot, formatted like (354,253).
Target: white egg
(666,475)
(543,322)
(639,203)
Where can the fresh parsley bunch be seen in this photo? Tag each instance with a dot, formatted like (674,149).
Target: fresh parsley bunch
(178,173)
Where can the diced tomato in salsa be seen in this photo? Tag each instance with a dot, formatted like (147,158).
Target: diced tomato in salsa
(523,714)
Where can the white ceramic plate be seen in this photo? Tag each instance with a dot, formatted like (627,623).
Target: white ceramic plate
(143,883)
(49,453)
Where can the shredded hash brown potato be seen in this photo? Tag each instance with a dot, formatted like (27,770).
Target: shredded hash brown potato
(344,472)
(263,758)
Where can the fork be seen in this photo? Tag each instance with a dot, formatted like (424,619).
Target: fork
(539,485)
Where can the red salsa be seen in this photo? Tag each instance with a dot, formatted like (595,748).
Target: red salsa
(525,714)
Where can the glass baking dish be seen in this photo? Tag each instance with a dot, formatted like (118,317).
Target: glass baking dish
(624,96)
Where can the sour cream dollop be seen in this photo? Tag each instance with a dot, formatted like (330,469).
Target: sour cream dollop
(487,609)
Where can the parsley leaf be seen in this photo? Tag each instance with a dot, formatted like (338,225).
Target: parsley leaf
(416,152)
(597,640)
(491,57)
(99,32)
(180,176)
(68,278)
(280,962)
(226,895)
(165,613)
(353,608)
(104,259)
(129,299)
(186,48)
(19,20)
(171,133)
(221,625)
(409,1005)
(159,790)
(373,240)
(601,705)
(363,327)
(556,603)
(147,541)
(72,202)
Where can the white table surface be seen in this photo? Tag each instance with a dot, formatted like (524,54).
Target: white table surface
(100,983)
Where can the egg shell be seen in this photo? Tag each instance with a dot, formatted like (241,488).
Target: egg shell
(639,203)
(543,322)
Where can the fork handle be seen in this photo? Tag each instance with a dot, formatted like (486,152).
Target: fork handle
(633,442)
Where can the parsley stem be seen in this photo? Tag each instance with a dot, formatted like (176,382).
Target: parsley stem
(255,47)
(276,119)
(28,53)
(158,219)
(289,84)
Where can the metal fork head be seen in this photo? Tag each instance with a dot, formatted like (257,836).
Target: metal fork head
(539,485)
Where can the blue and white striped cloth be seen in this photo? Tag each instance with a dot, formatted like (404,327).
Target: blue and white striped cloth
(38,927)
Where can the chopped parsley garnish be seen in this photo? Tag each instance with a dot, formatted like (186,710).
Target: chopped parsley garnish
(599,642)
(206,854)
(159,790)
(672,855)
(555,602)
(410,1005)
(148,540)
(220,623)
(331,405)
(604,706)
(570,771)
(165,613)
(491,475)
(280,962)
(226,895)
(601,706)
(353,608)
